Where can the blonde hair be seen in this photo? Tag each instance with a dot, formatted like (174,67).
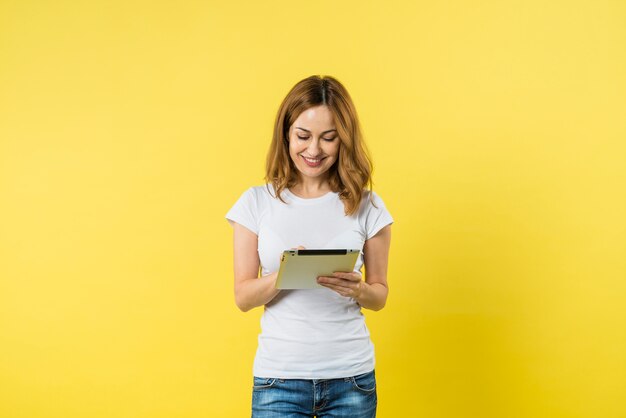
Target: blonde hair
(352,171)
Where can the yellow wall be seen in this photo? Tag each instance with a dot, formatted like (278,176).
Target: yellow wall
(128,129)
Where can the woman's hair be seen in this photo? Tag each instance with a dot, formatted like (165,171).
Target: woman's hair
(352,171)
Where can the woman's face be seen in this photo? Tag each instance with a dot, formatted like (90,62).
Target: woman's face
(313,142)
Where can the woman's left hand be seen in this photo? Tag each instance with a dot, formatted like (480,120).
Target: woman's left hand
(346,284)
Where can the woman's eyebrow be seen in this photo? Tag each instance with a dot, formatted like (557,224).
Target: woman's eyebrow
(330,130)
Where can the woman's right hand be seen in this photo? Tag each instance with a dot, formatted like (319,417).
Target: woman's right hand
(250,290)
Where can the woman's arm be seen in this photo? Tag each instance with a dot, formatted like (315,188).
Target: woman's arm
(374,290)
(371,293)
(250,290)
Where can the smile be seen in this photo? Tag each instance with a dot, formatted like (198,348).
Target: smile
(312,162)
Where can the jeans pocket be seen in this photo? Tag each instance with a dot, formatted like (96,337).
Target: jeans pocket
(364,383)
(261,383)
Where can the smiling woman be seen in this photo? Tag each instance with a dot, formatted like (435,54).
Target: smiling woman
(312,154)
(315,356)
(319,108)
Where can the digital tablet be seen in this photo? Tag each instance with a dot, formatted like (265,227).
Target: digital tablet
(299,269)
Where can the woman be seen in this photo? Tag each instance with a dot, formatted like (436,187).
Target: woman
(315,356)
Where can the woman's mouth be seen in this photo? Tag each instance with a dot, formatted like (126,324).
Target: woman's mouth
(312,162)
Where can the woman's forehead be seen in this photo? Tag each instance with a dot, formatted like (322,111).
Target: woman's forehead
(315,118)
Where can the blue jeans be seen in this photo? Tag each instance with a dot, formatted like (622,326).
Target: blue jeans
(353,397)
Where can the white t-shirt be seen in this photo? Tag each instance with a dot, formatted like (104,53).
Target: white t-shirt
(313,333)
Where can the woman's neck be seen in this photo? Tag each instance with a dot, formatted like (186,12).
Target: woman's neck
(310,189)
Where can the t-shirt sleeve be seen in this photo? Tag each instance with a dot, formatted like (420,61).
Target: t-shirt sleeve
(376,217)
(245,211)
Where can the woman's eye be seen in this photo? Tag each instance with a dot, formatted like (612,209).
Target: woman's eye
(325,139)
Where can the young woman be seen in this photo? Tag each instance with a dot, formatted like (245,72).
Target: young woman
(315,356)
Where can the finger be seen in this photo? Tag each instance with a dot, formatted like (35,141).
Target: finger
(354,277)
(343,291)
(334,281)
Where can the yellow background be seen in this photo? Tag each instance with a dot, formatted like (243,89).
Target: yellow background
(497,130)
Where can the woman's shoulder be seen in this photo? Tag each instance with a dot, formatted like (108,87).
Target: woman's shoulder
(371,197)
(371,204)
(264,189)
(261,192)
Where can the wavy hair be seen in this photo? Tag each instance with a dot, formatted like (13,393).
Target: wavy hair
(352,171)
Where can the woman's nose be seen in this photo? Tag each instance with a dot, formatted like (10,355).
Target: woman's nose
(314,147)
